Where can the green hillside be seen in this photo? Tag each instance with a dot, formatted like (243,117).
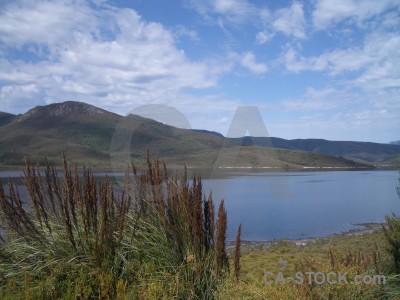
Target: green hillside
(365,152)
(103,139)
(6,118)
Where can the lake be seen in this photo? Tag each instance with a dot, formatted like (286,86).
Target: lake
(274,205)
(305,204)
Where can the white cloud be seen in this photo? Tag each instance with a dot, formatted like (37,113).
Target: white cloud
(233,11)
(330,12)
(51,51)
(333,62)
(182,31)
(384,68)
(248,61)
(364,122)
(318,100)
(339,113)
(290,20)
(113,65)
(44,22)
(263,36)
(231,6)
(375,65)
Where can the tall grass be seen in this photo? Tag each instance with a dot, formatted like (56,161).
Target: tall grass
(392,263)
(77,237)
(236,254)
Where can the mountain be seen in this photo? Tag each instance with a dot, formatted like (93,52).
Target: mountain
(6,118)
(395,142)
(209,132)
(92,136)
(87,134)
(358,151)
(77,128)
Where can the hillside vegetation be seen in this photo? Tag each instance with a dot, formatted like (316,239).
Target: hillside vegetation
(97,137)
(152,236)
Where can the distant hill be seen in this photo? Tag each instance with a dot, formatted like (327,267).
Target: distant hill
(358,151)
(85,133)
(209,132)
(92,135)
(80,129)
(6,118)
(395,142)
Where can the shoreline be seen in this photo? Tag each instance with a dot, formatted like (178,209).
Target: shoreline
(263,246)
(105,168)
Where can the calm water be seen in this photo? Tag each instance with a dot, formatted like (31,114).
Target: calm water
(301,204)
(305,204)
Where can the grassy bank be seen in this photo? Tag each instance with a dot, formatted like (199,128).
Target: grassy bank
(354,254)
(152,236)
(155,235)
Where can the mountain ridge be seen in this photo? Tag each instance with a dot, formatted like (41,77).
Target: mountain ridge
(88,134)
(6,118)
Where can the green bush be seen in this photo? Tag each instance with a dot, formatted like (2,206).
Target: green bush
(77,237)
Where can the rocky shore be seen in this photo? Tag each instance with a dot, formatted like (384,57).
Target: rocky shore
(258,247)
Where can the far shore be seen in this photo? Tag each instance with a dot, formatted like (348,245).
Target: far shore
(220,170)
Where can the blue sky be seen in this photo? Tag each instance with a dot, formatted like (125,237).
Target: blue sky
(315,69)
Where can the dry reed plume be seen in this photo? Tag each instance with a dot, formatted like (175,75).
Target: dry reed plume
(154,219)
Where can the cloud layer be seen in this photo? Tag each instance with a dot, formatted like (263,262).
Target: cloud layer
(322,62)
(78,56)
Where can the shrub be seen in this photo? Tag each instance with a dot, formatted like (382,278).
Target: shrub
(77,237)
(392,234)
(236,254)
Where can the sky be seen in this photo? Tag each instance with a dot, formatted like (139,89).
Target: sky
(313,69)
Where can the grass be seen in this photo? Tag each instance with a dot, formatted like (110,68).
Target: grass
(321,254)
(367,254)
(254,263)
(155,235)
(74,237)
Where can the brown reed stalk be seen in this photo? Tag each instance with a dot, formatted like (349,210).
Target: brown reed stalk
(236,254)
(331,257)
(69,191)
(220,242)
(14,216)
(31,180)
(49,190)
(123,209)
(104,217)
(208,222)
(394,244)
(158,192)
(207,238)
(89,219)
(197,219)
(53,189)
(150,176)
(211,217)
(376,258)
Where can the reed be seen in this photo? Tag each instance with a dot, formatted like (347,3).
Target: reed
(236,254)
(392,235)
(220,242)
(77,236)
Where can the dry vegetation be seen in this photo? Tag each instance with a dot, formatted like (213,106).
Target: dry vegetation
(155,236)
(80,238)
